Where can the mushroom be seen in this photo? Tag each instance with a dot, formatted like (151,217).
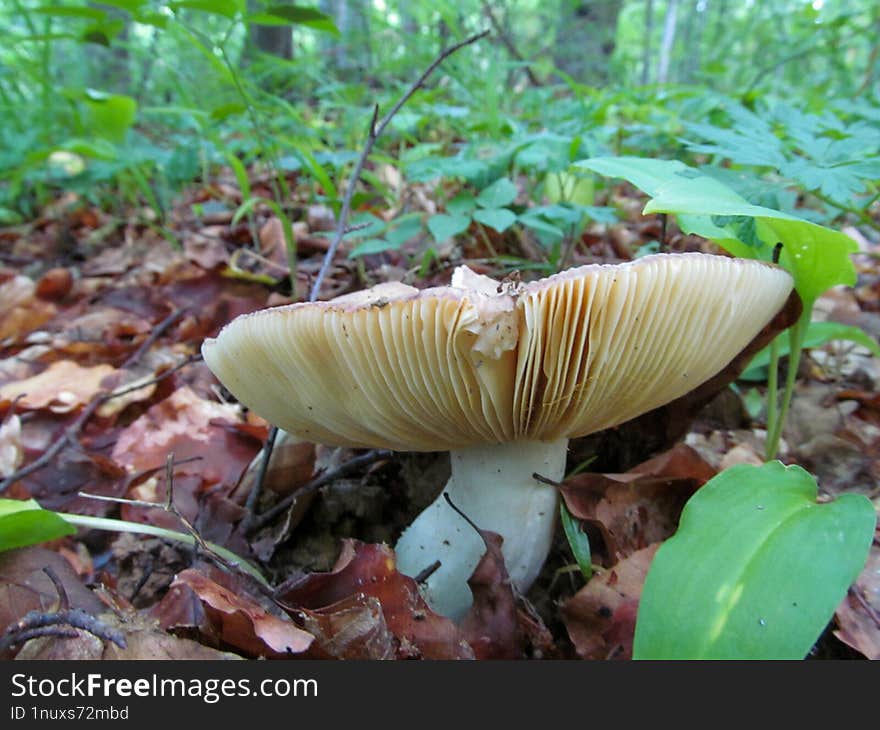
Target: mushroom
(501,375)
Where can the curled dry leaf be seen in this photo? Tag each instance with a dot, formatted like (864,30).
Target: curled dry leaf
(353,628)
(242,623)
(366,571)
(642,506)
(858,615)
(60,388)
(491,626)
(601,616)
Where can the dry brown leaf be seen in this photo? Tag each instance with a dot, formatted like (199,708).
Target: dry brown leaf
(244,624)
(601,616)
(354,628)
(491,626)
(185,424)
(370,570)
(60,388)
(642,506)
(20,309)
(858,615)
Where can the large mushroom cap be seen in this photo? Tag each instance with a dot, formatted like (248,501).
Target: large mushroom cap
(478,362)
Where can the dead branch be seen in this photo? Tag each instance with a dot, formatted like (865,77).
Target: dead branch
(373,132)
(38,623)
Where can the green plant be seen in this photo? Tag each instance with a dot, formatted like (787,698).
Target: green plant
(755,570)
(24,523)
(817,257)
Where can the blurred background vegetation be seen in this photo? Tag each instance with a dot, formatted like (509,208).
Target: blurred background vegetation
(127,102)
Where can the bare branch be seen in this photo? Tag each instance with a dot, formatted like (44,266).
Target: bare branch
(373,133)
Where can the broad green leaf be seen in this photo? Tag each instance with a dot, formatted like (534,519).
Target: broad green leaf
(498,218)
(443,226)
(109,116)
(461,204)
(295,15)
(537,223)
(372,245)
(645,173)
(500,193)
(755,570)
(226,8)
(817,257)
(404,228)
(818,334)
(24,523)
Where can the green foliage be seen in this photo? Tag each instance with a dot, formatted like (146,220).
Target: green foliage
(755,569)
(817,334)
(24,523)
(577,540)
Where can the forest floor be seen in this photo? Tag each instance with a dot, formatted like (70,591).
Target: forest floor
(101,324)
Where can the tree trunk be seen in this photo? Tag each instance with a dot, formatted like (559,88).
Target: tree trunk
(585,38)
(351,54)
(668,41)
(276,40)
(646,44)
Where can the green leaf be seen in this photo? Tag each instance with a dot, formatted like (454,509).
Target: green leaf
(461,204)
(226,8)
(577,541)
(816,256)
(24,523)
(62,11)
(295,15)
(372,245)
(109,116)
(565,187)
(645,173)
(818,334)
(755,570)
(443,226)
(500,193)
(537,223)
(498,218)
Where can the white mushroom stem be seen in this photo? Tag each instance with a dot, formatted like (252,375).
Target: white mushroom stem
(494,487)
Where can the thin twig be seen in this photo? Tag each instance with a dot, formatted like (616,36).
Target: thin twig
(374,131)
(351,465)
(37,623)
(160,329)
(70,434)
(63,600)
(189,360)
(505,38)
(250,506)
